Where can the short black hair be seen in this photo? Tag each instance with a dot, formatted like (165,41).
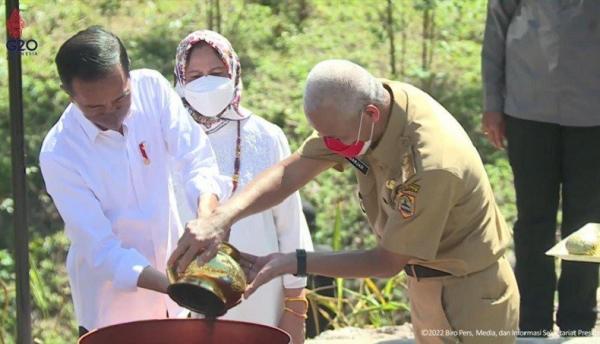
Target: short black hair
(89,55)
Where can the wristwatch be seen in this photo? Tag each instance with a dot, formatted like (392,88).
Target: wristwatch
(300,263)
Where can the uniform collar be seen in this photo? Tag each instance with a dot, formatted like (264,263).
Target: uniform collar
(393,139)
(91,130)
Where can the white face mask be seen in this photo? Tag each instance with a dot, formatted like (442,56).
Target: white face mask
(367,144)
(209,95)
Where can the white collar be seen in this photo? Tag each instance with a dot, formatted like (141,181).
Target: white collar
(91,130)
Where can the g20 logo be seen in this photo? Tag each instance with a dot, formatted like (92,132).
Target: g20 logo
(16,43)
(19,45)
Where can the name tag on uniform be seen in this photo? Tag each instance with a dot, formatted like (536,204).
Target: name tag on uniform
(359,165)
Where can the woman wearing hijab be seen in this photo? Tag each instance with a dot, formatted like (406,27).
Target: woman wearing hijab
(208,78)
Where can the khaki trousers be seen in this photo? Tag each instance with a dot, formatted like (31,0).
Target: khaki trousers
(482,307)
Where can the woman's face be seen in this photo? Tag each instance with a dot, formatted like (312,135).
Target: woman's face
(203,61)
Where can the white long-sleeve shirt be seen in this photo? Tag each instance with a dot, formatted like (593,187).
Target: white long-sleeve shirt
(119,211)
(282,228)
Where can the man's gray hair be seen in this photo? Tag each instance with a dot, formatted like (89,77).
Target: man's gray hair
(343,85)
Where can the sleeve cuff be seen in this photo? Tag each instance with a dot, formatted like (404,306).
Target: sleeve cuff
(218,185)
(129,270)
(293,282)
(493,104)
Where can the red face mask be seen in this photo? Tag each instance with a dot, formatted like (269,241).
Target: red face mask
(353,150)
(338,147)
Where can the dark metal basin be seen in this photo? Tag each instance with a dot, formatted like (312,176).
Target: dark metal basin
(176,331)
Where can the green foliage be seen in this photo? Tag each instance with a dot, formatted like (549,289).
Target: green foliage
(365,303)
(278,42)
(53,316)
(7,300)
(359,303)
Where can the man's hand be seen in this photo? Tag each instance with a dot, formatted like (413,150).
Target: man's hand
(260,270)
(493,126)
(201,236)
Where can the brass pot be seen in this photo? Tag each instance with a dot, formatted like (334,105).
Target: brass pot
(210,289)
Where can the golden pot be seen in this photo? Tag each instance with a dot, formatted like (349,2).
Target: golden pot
(210,289)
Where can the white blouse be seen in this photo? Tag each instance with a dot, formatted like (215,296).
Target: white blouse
(282,228)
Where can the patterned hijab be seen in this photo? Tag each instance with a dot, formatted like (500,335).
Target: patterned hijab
(230,59)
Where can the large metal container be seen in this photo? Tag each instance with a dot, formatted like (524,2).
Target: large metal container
(186,331)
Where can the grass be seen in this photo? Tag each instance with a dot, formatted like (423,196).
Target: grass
(359,303)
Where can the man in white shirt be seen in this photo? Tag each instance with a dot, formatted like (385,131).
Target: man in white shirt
(105,164)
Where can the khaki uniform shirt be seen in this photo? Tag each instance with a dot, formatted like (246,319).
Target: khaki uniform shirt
(426,193)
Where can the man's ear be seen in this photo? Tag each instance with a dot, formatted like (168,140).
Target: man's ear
(374,112)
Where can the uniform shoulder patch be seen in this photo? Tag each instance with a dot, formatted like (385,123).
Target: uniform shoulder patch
(406,204)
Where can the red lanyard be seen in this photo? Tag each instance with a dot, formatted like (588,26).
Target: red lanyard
(235,179)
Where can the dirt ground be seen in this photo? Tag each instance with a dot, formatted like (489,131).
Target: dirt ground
(403,335)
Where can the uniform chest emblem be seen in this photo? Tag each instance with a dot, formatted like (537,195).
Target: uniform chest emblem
(403,197)
(412,188)
(408,165)
(406,204)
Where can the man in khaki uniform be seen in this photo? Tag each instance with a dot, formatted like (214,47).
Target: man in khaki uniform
(424,190)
